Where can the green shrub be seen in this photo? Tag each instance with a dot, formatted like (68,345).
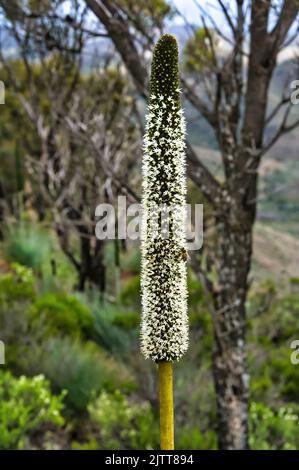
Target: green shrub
(290,387)
(81,369)
(16,294)
(273,318)
(62,314)
(261,385)
(124,425)
(110,330)
(285,375)
(200,318)
(18,285)
(126,320)
(28,244)
(194,439)
(92,444)
(25,405)
(196,295)
(131,260)
(198,55)
(130,295)
(33,246)
(273,430)
(286,317)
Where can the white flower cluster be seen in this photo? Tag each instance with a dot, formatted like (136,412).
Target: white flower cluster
(164,328)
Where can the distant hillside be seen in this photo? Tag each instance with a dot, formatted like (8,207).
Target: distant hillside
(201,134)
(279,171)
(275,254)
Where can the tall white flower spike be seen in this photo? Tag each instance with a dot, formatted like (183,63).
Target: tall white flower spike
(164,328)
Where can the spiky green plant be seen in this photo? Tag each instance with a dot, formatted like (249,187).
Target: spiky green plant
(164,328)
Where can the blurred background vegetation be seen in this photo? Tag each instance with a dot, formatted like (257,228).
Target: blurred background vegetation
(74,377)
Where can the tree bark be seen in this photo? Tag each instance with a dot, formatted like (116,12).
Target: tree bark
(92,267)
(235,229)
(229,355)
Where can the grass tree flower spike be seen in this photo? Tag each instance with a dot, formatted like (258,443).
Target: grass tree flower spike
(164,328)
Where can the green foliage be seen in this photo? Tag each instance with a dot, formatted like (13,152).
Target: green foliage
(97,85)
(18,285)
(112,327)
(194,439)
(17,291)
(273,430)
(147,14)
(273,324)
(92,444)
(131,261)
(130,294)
(285,374)
(260,386)
(28,245)
(86,372)
(81,369)
(198,51)
(199,316)
(14,130)
(62,314)
(283,203)
(196,294)
(124,425)
(126,320)
(25,405)
(110,336)
(27,319)
(276,317)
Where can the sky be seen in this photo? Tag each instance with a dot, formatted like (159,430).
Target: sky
(190,9)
